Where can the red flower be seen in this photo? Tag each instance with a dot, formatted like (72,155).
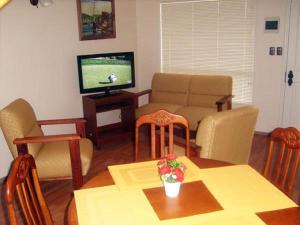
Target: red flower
(171,157)
(179,174)
(165,169)
(161,162)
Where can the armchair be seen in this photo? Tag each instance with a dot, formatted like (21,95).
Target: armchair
(228,135)
(225,136)
(57,156)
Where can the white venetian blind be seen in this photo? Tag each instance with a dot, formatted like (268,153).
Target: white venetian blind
(210,37)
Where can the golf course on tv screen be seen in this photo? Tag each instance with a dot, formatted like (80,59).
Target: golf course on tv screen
(105,72)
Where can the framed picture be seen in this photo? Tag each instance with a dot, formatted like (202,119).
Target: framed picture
(96,19)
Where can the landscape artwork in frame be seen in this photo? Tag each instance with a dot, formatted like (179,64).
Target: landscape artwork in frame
(96,19)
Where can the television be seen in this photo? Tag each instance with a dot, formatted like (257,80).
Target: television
(105,72)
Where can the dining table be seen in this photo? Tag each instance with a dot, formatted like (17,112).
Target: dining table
(195,198)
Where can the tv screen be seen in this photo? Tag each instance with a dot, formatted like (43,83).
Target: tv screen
(105,72)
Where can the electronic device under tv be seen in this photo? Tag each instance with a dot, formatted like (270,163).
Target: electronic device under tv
(105,72)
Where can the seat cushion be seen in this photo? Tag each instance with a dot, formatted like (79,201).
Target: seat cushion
(54,160)
(152,107)
(195,114)
(178,150)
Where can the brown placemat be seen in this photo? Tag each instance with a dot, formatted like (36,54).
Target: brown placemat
(194,198)
(289,216)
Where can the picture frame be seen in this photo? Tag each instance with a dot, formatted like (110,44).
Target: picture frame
(96,19)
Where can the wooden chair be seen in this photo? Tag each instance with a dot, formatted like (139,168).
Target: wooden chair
(282,161)
(23,179)
(62,156)
(162,119)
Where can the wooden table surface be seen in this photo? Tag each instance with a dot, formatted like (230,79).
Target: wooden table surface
(290,216)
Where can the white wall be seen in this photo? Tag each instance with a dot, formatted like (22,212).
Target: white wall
(38,48)
(269,70)
(148,43)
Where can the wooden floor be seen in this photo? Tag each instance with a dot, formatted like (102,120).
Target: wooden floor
(58,193)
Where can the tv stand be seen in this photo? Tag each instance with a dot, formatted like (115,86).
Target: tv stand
(93,104)
(106,94)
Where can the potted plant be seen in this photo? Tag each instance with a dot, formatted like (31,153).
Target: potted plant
(172,174)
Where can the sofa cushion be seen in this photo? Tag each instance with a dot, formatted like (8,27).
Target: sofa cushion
(195,114)
(206,90)
(170,88)
(57,155)
(152,107)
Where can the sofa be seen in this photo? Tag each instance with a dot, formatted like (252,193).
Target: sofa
(192,96)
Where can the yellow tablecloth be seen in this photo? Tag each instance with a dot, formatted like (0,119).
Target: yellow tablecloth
(239,189)
(145,174)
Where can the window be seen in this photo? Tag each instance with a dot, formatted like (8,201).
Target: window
(210,37)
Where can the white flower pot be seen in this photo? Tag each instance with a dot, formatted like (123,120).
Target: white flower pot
(172,189)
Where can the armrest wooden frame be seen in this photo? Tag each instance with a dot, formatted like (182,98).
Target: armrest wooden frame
(79,124)
(141,93)
(225,99)
(73,140)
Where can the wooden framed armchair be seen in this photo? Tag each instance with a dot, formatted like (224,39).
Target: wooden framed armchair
(62,156)
(226,136)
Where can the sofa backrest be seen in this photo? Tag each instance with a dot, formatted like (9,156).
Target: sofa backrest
(170,88)
(205,90)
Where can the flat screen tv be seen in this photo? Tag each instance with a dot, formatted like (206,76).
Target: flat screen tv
(105,72)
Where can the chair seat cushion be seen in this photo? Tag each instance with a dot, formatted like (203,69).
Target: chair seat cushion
(152,107)
(54,160)
(178,150)
(195,114)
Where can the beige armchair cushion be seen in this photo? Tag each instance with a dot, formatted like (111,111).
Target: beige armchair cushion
(17,121)
(228,135)
(54,159)
(170,88)
(206,90)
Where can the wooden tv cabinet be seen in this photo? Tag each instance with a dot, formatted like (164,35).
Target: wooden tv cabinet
(93,104)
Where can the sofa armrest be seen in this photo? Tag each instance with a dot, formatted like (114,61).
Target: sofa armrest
(225,99)
(141,93)
(138,94)
(79,124)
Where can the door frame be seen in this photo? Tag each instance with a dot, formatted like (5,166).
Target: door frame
(284,122)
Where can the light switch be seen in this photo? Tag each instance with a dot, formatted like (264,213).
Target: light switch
(272,51)
(279,51)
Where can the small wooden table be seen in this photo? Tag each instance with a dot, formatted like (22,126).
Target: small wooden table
(290,216)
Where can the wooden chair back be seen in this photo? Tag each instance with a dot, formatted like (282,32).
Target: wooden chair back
(23,180)
(282,161)
(162,119)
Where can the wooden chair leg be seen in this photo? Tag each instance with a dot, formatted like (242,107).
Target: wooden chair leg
(76,164)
